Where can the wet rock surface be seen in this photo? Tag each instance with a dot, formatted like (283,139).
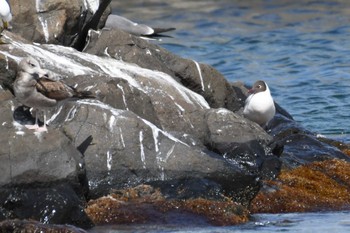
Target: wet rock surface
(160,122)
(17,225)
(144,204)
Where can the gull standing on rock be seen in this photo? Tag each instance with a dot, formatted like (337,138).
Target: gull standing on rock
(5,13)
(259,106)
(33,88)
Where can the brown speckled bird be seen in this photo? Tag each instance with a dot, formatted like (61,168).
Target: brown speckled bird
(34,88)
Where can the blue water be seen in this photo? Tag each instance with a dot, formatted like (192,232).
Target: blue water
(301,48)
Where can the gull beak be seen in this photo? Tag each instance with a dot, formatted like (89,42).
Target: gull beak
(44,74)
(41,74)
(251,91)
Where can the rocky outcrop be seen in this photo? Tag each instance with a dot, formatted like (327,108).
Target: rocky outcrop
(54,22)
(200,78)
(17,225)
(158,120)
(157,132)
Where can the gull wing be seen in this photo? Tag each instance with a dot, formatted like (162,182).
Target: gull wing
(119,22)
(54,89)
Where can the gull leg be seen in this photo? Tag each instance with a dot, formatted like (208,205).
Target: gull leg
(36,125)
(43,128)
(6,24)
(1,29)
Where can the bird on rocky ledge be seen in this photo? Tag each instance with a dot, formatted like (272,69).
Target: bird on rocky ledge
(35,88)
(5,13)
(259,106)
(124,24)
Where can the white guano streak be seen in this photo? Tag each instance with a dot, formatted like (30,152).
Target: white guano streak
(109,160)
(121,137)
(42,20)
(111,123)
(200,74)
(123,94)
(142,152)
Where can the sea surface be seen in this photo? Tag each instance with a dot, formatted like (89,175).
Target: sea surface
(300,48)
(327,222)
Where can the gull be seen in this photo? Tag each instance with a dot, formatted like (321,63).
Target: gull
(5,13)
(259,106)
(35,88)
(119,22)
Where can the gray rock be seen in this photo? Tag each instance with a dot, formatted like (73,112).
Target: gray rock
(144,127)
(301,146)
(200,78)
(128,150)
(53,21)
(42,175)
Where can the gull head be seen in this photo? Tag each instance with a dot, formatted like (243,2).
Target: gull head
(31,66)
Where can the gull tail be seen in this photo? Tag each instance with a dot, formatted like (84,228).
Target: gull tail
(161,30)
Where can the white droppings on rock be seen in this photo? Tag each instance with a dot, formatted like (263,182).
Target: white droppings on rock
(42,20)
(101,105)
(223,111)
(155,128)
(88,88)
(19,128)
(111,122)
(200,74)
(73,63)
(168,154)
(121,137)
(71,114)
(53,117)
(7,62)
(20,133)
(105,52)
(142,151)
(109,160)
(123,96)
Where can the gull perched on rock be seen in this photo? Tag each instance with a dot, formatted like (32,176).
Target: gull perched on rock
(5,13)
(119,22)
(34,88)
(259,106)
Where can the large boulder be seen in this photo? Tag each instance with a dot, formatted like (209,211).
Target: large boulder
(42,175)
(55,22)
(200,78)
(157,119)
(144,127)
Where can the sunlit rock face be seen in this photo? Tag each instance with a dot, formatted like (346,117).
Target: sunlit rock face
(157,119)
(143,127)
(200,78)
(51,21)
